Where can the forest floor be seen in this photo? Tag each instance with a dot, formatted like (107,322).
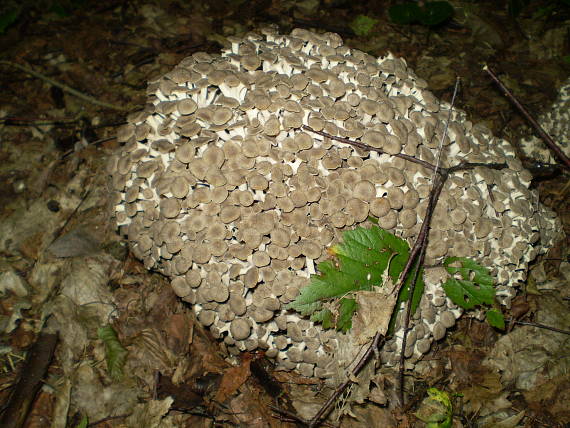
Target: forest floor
(63,266)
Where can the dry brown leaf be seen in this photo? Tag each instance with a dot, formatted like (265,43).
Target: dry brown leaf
(233,378)
(178,330)
(467,367)
(373,315)
(486,396)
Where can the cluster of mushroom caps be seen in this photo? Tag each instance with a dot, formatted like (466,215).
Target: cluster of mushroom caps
(219,187)
(556,122)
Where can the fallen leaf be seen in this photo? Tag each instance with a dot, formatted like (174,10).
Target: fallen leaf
(375,309)
(232,379)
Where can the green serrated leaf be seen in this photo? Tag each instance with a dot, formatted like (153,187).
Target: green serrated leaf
(325,317)
(60,10)
(436,410)
(467,294)
(476,286)
(468,268)
(495,318)
(515,7)
(115,354)
(361,260)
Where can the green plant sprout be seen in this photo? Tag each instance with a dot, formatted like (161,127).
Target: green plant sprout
(84,423)
(8,18)
(370,258)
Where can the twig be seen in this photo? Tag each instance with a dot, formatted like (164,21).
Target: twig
(423,238)
(418,252)
(295,417)
(537,325)
(93,143)
(370,148)
(546,138)
(13,121)
(108,418)
(63,86)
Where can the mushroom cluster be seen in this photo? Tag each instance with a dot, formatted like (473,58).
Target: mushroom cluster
(556,122)
(219,187)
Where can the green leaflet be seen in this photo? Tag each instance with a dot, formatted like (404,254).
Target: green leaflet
(470,286)
(115,354)
(430,13)
(370,257)
(8,18)
(475,286)
(361,261)
(495,318)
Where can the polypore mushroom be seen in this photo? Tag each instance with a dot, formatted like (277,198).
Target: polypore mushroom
(219,186)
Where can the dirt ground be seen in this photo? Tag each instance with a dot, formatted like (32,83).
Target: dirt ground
(64,269)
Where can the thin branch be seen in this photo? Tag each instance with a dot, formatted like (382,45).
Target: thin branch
(295,417)
(462,166)
(63,86)
(537,325)
(546,138)
(13,121)
(109,418)
(93,143)
(418,252)
(423,237)
(370,148)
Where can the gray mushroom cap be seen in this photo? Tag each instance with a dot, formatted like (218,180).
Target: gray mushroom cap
(240,329)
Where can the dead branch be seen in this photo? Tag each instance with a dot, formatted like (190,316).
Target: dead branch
(545,137)
(537,325)
(63,86)
(31,377)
